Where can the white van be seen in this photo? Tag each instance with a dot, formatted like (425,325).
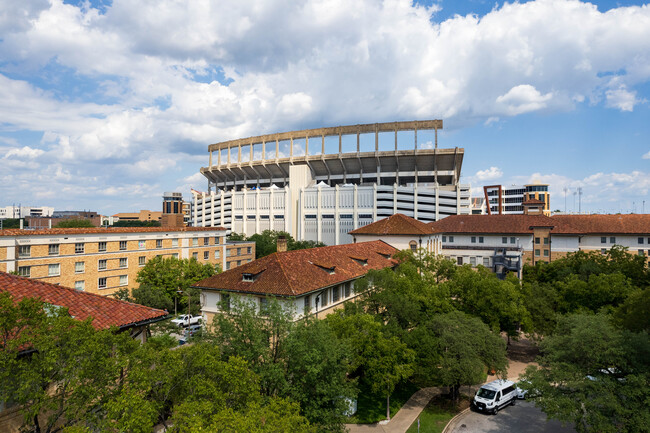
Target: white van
(494,396)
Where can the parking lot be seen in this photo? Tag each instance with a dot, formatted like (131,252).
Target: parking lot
(524,417)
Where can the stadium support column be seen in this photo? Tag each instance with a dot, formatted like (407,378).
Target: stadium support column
(337,216)
(244,216)
(299,177)
(355,208)
(212,196)
(394,198)
(196,206)
(257,207)
(415,201)
(319,216)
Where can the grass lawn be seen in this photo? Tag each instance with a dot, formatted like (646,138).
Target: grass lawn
(437,414)
(372,407)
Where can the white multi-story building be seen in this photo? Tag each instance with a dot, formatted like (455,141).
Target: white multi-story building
(25,211)
(510,200)
(319,184)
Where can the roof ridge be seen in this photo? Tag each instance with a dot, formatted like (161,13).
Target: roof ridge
(276,256)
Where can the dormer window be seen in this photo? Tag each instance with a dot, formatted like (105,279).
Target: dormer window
(361,261)
(247,277)
(384,255)
(329,269)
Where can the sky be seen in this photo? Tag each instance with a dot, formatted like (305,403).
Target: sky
(104,105)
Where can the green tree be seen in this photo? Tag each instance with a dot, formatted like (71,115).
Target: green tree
(136,223)
(12,223)
(73,223)
(161,279)
(633,313)
(593,375)
(236,237)
(266,242)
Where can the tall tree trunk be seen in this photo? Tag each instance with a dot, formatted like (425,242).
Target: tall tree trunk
(388,407)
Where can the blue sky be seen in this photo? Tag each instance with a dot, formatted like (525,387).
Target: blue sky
(106,104)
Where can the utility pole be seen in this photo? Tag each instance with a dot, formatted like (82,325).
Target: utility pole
(579,200)
(574,201)
(565,191)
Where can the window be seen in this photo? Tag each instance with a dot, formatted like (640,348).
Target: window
(537,253)
(247,277)
(413,245)
(473,239)
(174,243)
(124,280)
(323,298)
(227,265)
(101,265)
(206,241)
(480,239)
(124,262)
(229,252)
(79,267)
(238,262)
(122,245)
(206,255)
(537,241)
(158,243)
(225,302)
(24,271)
(80,285)
(53,250)
(101,247)
(504,240)
(472,261)
(612,240)
(195,255)
(175,255)
(347,289)
(217,254)
(641,253)
(249,250)
(603,251)
(603,240)
(451,238)
(545,253)
(307,304)
(101,283)
(459,261)
(216,240)
(335,294)
(24,251)
(444,238)
(264,306)
(54,270)
(79,248)
(486,262)
(239,251)
(142,260)
(142,245)
(512,239)
(545,241)
(640,241)
(195,242)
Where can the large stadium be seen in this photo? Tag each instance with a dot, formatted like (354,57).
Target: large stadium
(319,184)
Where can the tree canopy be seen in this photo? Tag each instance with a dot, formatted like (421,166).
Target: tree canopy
(266,242)
(73,223)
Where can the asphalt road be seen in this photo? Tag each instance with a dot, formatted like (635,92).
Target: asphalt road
(524,417)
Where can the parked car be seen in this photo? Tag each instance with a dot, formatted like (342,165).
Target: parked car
(193,330)
(521,393)
(187,320)
(494,396)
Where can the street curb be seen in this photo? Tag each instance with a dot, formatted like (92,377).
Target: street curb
(453,420)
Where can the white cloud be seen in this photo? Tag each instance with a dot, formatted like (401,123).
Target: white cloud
(522,99)
(621,98)
(489,174)
(646,156)
(24,152)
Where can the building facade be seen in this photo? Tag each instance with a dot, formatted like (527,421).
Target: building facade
(104,260)
(510,200)
(143,215)
(401,232)
(320,184)
(25,211)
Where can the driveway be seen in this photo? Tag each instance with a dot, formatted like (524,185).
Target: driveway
(524,417)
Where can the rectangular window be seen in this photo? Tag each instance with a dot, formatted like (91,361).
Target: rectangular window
(174,243)
(444,238)
(225,302)
(545,241)
(307,304)
(101,265)
(79,267)
(537,253)
(206,255)
(239,251)
(227,265)
(53,250)
(122,245)
(472,261)
(641,252)
(24,271)
(24,251)
(80,285)
(238,262)
(101,283)
(612,240)
(195,242)
(451,238)
(229,252)
(264,306)
(347,289)
(603,240)
(195,255)
(217,254)
(473,239)
(142,245)
(335,294)
(101,247)
(459,261)
(324,299)
(537,241)
(512,239)
(545,253)
(54,270)
(249,250)
(486,262)
(216,240)
(158,243)
(480,239)
(603,251)
(79,248)
(206,241)
(142,260)
(124,262)
(504,240)
(124,280)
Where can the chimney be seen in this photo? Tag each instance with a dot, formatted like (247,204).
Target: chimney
(21,224)
(282,244)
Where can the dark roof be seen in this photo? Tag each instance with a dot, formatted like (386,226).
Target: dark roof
(103,230)
(106,312)
(293,273)
(397,224)
(560,224)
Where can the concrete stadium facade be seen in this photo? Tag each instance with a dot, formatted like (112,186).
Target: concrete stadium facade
(319,184)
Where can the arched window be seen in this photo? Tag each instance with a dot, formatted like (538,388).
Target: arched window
(414,246)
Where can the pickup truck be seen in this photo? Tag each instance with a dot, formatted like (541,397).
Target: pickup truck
(186,320)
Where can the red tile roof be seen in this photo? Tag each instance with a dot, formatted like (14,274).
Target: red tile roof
(560,224)
(606,224)
(293,273)
(102,230)
(106,312)
(397,224)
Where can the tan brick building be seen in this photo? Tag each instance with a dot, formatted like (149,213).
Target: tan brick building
(104,260)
